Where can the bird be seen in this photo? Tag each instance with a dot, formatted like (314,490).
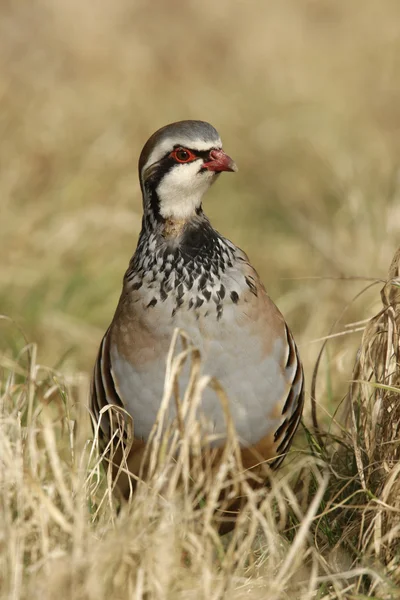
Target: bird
(186,275)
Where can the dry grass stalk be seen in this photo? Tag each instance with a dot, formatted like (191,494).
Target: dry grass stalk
(375,397)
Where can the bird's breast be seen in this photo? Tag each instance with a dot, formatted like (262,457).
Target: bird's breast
(219,317)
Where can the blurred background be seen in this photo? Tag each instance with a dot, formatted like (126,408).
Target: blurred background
(306,97)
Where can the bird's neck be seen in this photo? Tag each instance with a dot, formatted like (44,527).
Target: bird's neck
(172,229)
(191,235)
(190,243)
(172,209)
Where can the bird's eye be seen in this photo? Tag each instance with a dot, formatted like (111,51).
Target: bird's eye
(182,155)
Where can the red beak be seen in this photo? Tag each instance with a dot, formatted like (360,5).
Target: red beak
(219,161)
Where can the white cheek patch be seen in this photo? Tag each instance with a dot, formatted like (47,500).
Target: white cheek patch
(168,144)
(181,190)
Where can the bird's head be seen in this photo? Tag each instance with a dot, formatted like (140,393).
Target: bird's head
(177,166)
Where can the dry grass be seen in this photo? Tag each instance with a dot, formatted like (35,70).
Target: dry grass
(325,527)
(306,95)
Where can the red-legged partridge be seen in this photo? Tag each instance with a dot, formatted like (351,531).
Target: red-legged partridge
(185,274)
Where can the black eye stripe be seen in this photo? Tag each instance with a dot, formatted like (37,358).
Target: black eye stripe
(199,153)
(164,164)
(203,153)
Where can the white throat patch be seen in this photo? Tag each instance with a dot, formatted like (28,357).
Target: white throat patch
(181,190)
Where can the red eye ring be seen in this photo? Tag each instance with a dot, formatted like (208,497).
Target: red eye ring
(182,155)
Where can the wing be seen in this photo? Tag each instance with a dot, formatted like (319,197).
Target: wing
(270,325)
(293,406)
(104,391)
